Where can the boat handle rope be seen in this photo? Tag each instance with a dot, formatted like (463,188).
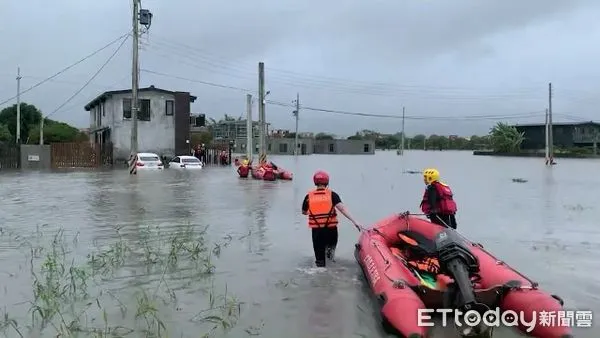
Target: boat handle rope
(397,283)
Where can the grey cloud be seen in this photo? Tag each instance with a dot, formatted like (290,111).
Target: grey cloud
(475,46)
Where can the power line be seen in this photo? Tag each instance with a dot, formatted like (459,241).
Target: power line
(217,61)
(67,68)
(343,112)
(205,60)
(92,78)
(347,86)
(452,118)
(212,84)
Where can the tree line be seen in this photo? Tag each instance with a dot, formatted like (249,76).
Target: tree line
(431,142)
(502,138)
(31,116)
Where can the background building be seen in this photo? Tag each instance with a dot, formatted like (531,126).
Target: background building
(565,135)
(163,121)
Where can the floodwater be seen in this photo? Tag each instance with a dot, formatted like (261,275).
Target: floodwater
(547,228)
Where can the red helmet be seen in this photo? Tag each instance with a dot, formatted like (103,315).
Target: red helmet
(321,178)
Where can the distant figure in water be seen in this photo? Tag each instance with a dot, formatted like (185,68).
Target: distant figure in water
(550,161)
(244,169)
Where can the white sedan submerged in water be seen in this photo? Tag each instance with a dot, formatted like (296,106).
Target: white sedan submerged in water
(185,162)
(148,161)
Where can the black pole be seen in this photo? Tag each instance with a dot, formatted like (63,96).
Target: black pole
(230,146)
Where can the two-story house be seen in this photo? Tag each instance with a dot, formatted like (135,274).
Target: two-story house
(163,121)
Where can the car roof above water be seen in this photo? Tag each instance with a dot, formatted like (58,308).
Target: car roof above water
(187,157)
(148,155)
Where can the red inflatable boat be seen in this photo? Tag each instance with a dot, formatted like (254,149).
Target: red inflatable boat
(412,264)
(260,173)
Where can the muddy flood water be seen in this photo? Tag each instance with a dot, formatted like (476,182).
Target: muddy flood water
(193,254)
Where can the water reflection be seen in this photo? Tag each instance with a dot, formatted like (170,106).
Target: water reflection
(261,206)
(494,211)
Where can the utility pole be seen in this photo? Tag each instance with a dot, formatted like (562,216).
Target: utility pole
(296,114)
(18,140)
(42,131)
(261,112)
(547,149)
(402,140)
(249,129)
(550,135)
(135,80)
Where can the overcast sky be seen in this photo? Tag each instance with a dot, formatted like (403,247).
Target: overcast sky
(437,58)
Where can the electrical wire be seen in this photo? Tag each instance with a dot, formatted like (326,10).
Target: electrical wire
(91,78)
(217,61)
(191,59)
(212,84)
(363,114)
(203,60)
(67,68)
(408,117)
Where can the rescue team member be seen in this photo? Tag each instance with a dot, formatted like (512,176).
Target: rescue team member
(244,169)
(320,206)
(438,201)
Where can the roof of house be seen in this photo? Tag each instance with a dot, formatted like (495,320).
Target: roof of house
(557,124)
(106,95)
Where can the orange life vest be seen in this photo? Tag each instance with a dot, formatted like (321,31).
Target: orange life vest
(321,211)
(446,204)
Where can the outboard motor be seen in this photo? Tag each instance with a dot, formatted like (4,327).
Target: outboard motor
(457,261)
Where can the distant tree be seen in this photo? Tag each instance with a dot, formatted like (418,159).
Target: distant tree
(203,137)
(55,132)
(5,135)
(505,138)
(30,116)
(324,136)
(418,141)
(387,142)
(355,137)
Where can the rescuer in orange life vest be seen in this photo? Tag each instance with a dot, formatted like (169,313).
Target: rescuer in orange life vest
(320,206)
(438,202)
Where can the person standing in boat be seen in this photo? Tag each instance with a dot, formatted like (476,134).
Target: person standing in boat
(438,201)
(321,206)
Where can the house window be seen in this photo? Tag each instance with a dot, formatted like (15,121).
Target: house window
(169,107)
(126,108)
(331,148)
(143,114)
(283,148)
(366,148)
(269,147)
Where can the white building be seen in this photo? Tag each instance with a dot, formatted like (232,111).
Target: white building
(163,121)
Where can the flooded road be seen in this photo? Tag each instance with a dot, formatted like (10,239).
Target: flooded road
(190,250)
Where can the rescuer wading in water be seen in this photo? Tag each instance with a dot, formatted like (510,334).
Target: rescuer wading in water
(321,205)
(438,201)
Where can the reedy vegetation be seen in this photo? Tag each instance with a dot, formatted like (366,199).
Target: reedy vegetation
(78,299)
